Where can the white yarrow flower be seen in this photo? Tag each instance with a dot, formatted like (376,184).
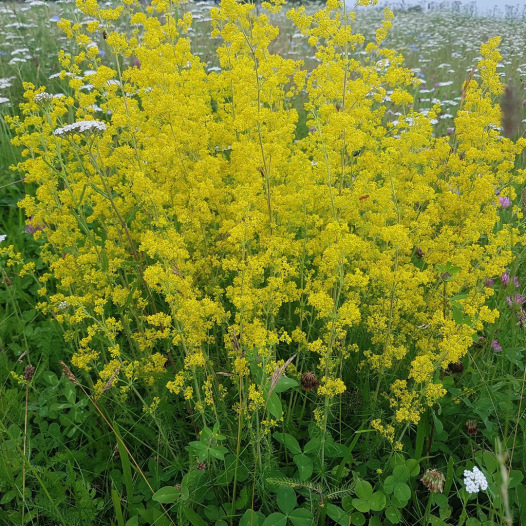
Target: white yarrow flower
(475,480)
(83,127)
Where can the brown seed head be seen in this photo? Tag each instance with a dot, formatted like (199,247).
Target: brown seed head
(29,372)
(309,381)
(111,379)
(456,367)
(433,480)
(68,374)
(472,427)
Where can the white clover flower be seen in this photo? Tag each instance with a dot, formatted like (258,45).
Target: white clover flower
(475,480)
(84,127)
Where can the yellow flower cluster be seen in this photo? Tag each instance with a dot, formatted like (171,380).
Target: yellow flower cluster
(188,211)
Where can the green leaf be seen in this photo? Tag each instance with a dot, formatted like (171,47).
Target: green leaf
(413,466)
(116,499)
(312,446)
(378,501)
(9,496)
(69,393)
(435,521)
(194,519)
(357,519)
(196,448)
(285,383)
(445,512)
(289,442)
(166,495)
(397,460)
(243,500)
(212,512)
(305,466)
(134,521)
(490,461)
(274,407)
(402,492)
(438,424)
(287,500)
(301,517)
(126,468)
(363,489)
(439,499)
(218,452)
(393,515)
(347,503)
(515,478)
(275,519)
(338,515)
(389,484)
(401,473)
(250,518)
(361,505)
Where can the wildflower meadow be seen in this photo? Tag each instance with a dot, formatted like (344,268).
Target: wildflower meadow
(261,264)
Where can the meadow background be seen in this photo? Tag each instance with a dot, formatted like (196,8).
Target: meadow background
(87,439)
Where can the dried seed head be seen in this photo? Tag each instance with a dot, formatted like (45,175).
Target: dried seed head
(433,480)
(523,200)
(309,381)
(456,367)
(278,373)
(111,379)
(29,372)
(419,253)
(201,466)
(68,374)
(472,427)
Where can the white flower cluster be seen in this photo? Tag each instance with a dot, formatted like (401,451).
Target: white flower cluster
(475,480)
(63,305)
(85,127)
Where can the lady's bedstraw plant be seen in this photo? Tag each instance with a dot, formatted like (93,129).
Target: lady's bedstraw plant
(183,218)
